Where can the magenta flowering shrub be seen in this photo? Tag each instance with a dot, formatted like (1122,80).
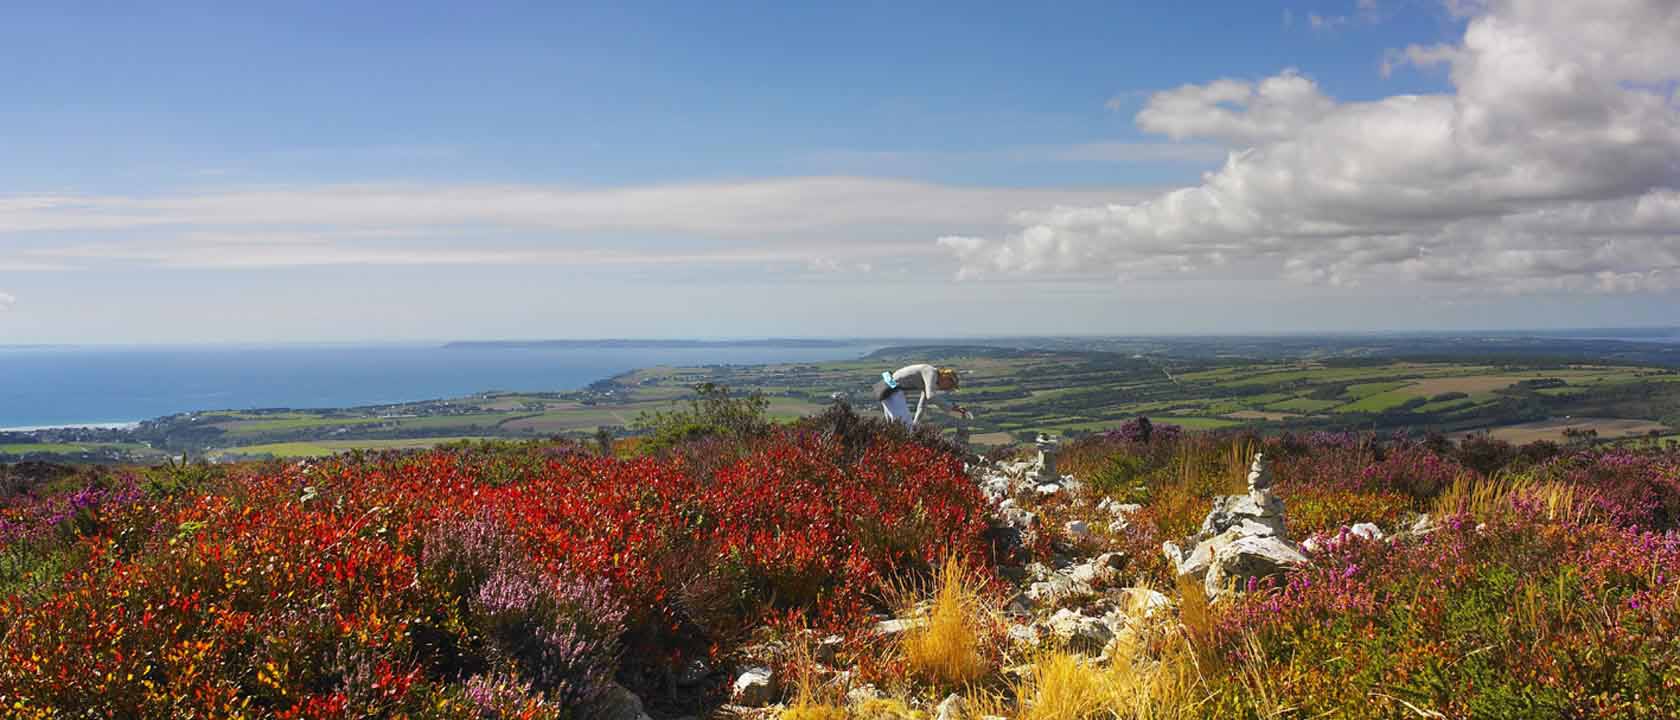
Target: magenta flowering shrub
(1629,487)
(560,635)
(545,635)
(1524,612)
(29,519)
(500,696)
(1409,468)
(1515,618)
(1359,463)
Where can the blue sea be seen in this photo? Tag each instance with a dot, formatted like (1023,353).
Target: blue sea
(85,385)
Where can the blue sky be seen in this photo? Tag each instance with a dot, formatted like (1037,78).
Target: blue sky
(190,172)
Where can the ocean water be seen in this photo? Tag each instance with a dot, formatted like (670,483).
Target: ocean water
(75,386)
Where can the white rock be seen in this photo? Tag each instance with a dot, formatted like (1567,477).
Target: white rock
(1423,526)
(1022,635)
(1048,489)
(1260,527)
(1145,601)
(1259,475)
(1174,553)
(756,687)
(1058,590)
(1249,557)
(1017,518)
(862,694)
(1088,635)
(1260,508)
(1101,569)
(952,708)
(898,626)
(1083,572)
(1196,562)
(1369,531)
(1077,529)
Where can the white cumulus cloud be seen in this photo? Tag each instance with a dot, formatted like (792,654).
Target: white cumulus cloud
(1552,165)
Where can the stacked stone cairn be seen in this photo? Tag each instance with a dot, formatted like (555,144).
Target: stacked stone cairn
(1242,539)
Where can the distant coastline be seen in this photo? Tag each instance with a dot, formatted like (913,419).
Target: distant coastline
(647,344)
(128,425)
(99,385)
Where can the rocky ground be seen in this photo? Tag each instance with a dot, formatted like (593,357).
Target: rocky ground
(1081,600)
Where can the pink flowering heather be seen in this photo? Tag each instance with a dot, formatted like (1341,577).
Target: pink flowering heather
(1517,618)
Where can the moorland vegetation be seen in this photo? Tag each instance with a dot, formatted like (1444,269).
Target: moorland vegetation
(840,567)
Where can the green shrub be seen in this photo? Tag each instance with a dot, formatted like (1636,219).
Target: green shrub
(713,412)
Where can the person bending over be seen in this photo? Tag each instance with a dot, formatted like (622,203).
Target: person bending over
(926,379)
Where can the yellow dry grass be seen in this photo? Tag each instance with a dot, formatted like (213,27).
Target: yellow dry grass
(803,710)
(874,709)
(949,648)
(1488,498)
(1151,674)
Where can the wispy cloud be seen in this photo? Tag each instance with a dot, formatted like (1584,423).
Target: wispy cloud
(778,220)
(7,300)
(1363,12)
(1117,153)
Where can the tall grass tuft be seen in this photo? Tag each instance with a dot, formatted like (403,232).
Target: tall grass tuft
(951,648)
(1151,673)
(1495,497)
(1062,686)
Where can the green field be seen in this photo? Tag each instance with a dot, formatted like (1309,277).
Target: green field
(293,421)
(22,448)
(1303,405)
(1014,394)
(1378,402)
(132,450)
(331,447)
(1365,390)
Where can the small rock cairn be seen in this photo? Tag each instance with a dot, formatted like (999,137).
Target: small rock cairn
(1242,539)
